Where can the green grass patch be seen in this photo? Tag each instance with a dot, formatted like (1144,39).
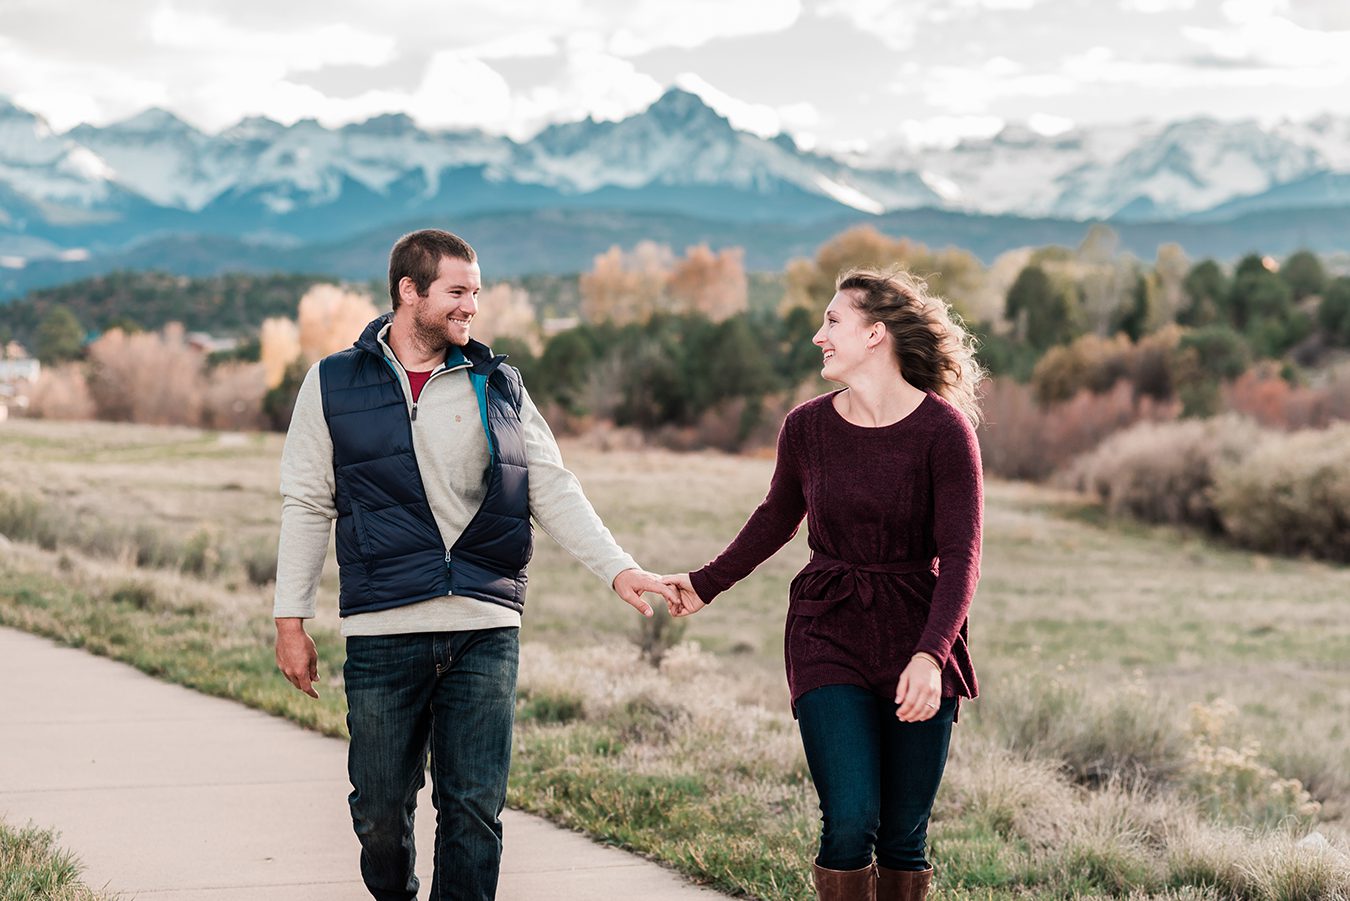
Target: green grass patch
(1074,776)
(34,868)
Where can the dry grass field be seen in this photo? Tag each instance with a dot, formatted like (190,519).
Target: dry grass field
(1162,716)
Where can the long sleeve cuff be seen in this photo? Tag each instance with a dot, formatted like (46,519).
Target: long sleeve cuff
(704,585)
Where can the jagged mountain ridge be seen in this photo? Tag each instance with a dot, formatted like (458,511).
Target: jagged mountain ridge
(1127,172)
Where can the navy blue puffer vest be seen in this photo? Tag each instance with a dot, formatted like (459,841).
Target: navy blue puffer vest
(389,549)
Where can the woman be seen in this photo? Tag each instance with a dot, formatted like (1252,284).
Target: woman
(887,473)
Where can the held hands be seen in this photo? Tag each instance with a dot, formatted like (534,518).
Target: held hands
(297,658)
(919,691)
(632,584)
(688,600)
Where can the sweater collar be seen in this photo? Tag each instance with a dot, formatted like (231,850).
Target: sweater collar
(478,355)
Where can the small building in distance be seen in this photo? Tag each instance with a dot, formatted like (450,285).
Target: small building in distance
(19,373)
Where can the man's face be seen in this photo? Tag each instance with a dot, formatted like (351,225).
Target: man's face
(442,317)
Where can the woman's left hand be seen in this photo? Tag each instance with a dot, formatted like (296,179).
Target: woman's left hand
(919,692)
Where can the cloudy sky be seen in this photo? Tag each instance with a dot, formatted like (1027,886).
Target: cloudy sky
(838,74)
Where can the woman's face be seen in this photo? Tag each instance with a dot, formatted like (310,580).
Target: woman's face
(844,338)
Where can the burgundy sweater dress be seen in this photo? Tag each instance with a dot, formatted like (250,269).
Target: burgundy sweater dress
(894,516)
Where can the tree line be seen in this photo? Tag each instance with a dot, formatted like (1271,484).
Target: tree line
(660,340)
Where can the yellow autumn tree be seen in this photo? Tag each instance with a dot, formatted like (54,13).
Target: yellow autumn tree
(330,319)
(505,311)
(952,273)
(713,284)
(626,287)
(279,347)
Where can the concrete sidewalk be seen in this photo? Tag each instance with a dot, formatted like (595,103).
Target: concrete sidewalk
(164,793)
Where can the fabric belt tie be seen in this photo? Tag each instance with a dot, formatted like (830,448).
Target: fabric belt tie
(853,581)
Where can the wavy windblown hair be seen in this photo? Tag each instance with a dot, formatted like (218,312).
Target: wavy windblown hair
(930,341)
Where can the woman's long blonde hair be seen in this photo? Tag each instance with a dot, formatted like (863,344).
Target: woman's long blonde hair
(931,343)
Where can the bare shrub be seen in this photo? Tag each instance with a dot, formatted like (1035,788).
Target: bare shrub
(1112,840)
(1022,440)
(655,635)
(1011,793)
(1336,386)
(260,561)
(1255,866)
(1266,397)
(1154,365)
(1291,496)
(1091,362)
(233,396)
(1100,738)
(1228,778)
(62,392)
(152,378)
(1165,472)
(24,518)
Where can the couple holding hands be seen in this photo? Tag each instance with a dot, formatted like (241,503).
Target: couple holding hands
(432,460)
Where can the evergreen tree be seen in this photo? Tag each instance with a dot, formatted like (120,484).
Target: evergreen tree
(59,336)
(1205,287)
(1251,264)
(1040,310)
(1220,352)
(565,365)
(1304,274)
(797,357)
(1133,317)
(1334,313)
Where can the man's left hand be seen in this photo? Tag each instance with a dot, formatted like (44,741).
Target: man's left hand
(631,584)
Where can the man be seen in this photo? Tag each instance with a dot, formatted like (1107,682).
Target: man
(429,454)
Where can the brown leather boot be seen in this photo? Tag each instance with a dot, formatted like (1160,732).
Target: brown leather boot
(903,885)
(846,885)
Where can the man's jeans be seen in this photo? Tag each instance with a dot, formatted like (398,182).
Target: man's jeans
(876,776)
(453,692)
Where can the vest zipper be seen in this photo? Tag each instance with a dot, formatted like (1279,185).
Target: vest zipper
(414,410)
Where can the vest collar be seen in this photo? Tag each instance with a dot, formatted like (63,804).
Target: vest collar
(479,356)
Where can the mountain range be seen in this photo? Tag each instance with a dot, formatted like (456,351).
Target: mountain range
(153,190)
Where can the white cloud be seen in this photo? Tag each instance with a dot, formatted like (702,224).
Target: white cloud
(1157,6)
(513,66)
(898,24)
(644,25)
(947,131)
(1262,37)
(594,84)
(214,61)
(1244,12)
(1049,125)
(972,91)
(301,50)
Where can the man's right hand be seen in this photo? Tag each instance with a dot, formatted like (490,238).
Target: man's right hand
(297,658)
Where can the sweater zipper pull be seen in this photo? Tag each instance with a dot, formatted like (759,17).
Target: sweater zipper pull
(414,411)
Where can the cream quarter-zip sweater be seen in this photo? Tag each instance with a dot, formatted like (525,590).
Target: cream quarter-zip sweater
(452,456)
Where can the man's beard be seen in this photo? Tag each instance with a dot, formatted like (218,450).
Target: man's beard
(433,334)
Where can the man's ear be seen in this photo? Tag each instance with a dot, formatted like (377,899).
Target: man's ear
(407,290)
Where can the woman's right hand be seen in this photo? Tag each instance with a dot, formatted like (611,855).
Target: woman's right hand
(689,601)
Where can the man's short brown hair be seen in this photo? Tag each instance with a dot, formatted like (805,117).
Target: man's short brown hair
(417,256)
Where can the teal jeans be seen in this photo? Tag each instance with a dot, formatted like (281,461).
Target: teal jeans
(876,776)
